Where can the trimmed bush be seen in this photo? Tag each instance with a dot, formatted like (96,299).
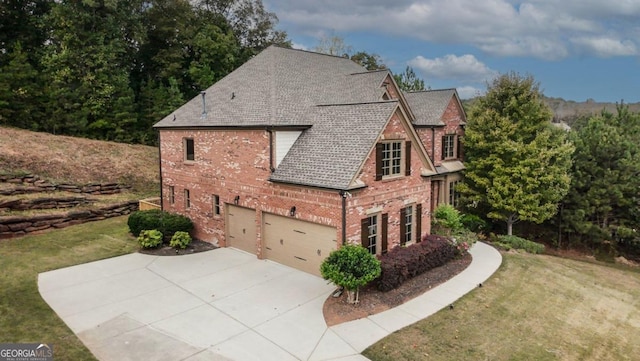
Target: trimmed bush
(447,218)
(150,238)
(180,240)
(474,223)
(165,222)
(350,267)
(403,263)
(509,242)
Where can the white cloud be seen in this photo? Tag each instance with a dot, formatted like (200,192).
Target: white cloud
(538,28)
(606,47)
(463,68)
(468,92)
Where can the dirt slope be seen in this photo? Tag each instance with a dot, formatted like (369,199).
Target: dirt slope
(65,159)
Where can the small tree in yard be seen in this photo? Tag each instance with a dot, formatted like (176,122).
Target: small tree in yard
(351,267)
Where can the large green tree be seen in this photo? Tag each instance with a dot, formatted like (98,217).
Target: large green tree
(603,203)
(517,162)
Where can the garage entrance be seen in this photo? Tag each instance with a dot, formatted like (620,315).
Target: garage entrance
(241,228)
(298,244)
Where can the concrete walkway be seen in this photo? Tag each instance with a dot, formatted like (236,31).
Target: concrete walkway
(225,305)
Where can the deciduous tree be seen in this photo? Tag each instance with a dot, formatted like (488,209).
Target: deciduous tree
(517,162)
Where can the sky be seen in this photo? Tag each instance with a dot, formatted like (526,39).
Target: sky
(575,49)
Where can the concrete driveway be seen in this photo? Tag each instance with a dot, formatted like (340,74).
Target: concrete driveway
(225,305)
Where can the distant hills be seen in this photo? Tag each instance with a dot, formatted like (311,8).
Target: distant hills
(568,111)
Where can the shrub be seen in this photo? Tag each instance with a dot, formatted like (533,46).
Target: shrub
(402,263)
(474,223)
(165,222)
(447,218)
(516,242)
(463,240)
(150,238)
(180,239)
(350,267)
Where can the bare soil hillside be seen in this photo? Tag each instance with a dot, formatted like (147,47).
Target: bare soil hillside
(63,159)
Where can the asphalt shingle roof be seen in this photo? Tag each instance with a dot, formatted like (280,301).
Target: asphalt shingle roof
(330,153)
(428,106)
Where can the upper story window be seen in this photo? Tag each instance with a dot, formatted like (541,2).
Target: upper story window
(189,149)
(448,146)
(393,158)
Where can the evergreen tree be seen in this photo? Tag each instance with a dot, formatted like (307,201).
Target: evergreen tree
(409,81)
(603,202)
(517,162)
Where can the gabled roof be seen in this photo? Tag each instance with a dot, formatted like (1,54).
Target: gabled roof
(276,88)
(428,106)
(330,153)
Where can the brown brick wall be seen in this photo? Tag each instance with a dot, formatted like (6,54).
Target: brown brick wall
(452,117)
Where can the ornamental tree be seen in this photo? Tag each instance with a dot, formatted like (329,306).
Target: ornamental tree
(517,162)
(351,267)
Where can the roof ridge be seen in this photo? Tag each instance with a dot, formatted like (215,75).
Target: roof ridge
(313,52)
(361,103)
(370,71)
(429,90)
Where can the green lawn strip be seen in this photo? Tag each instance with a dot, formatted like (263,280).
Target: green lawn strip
(533,308)
(24,315)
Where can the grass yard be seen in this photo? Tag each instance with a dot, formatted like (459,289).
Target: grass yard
(533,308)
(24,316)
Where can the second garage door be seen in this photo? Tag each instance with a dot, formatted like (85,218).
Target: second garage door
(241,228)
(295,243)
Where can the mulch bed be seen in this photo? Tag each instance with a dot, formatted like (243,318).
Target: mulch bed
(195,246)
(372,301)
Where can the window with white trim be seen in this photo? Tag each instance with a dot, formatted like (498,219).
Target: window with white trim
(448,146)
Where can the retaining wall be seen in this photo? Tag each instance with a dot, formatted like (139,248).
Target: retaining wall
(34,184)
(16,226)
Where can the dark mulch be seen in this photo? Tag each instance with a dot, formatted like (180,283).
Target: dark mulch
(372,301)
(195,246)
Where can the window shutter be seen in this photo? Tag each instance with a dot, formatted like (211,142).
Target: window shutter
(383,231)
(418,222)
(442,150)
(379,149)
(407,158)
(403,226)
(460,149)
(365,232)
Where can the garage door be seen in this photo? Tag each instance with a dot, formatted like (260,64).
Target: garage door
(241,228)
(299,244)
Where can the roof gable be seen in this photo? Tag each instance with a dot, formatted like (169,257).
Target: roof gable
(429,106)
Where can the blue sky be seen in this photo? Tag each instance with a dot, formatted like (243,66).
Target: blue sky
(575,49)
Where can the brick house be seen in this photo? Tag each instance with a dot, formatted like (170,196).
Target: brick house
(295,153)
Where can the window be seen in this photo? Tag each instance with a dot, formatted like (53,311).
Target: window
(407,217)
(189,151)
(172,195)
(216,204)
(374,233)
(448,146)
(454,195)
(389,159)
(187,199)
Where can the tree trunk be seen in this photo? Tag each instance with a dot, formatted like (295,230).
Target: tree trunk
(509,227)
(353,296)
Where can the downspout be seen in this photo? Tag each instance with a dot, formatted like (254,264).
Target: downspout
(271,167)
(343,194)
(160,166)
(433,144)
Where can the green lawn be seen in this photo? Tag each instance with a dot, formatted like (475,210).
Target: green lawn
(24,316)
(533,308)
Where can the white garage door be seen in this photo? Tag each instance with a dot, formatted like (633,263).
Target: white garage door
(295,243)
(241,228)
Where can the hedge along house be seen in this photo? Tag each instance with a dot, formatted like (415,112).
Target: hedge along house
(295,153)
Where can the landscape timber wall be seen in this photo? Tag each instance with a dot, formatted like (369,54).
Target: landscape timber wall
(17,226)
(34,184)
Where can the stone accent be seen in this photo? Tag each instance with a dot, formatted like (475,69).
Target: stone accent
(16,226)
(33,184)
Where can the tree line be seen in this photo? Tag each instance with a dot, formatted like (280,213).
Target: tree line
(110,69)
(582,186)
